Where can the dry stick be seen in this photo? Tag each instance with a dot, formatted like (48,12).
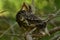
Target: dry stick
(53,30)
(56,37)
(52,16)
(7,29)
(33,6)
(13,32)
(53,23)
(32,30)
(28,35)
(50,31)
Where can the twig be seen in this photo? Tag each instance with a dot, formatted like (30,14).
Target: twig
(52,16)
(13,32)
(50,31)
(56,37)
(17,35)
(32,30)
(53,23)
(33,6)
(54,30)
(28,34)
(11,27)
(7,30)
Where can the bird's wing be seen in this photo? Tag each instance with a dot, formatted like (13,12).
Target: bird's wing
(32,19)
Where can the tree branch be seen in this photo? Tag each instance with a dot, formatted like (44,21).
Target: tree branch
(29,36)
(50,31)
(54,30)
(52,16)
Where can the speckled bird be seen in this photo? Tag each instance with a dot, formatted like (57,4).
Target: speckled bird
(26,19)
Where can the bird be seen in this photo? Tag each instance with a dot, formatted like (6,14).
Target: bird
(26,19)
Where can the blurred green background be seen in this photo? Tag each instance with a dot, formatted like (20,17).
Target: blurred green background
(8,25)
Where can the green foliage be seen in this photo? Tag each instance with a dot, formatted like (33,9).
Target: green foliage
(57,3)
(41,3)
(0,4)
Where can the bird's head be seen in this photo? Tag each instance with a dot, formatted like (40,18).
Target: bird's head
(26,7)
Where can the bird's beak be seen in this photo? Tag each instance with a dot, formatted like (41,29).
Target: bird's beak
(24,7)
